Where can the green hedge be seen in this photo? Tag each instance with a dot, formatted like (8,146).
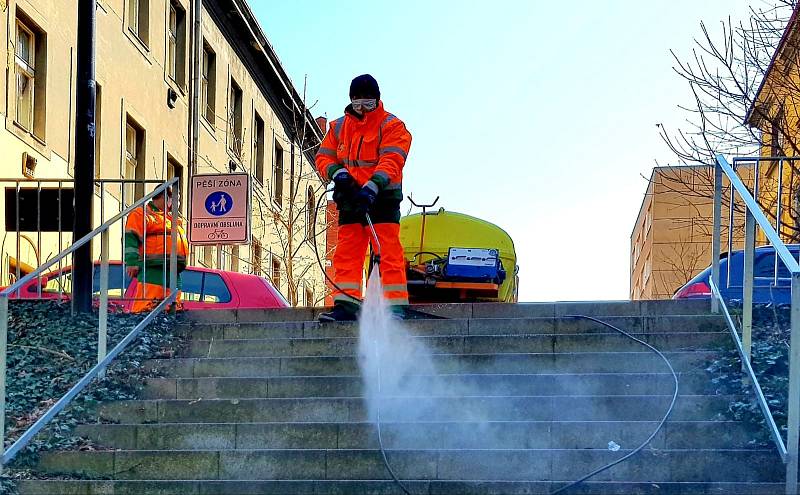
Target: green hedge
(50,350)
(770,361)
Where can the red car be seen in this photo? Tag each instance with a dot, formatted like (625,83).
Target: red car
(202,288)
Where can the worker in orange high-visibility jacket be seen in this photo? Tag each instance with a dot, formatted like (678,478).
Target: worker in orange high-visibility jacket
(148,244)
(363,153)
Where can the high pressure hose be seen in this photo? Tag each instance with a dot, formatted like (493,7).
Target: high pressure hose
(660,424)
(376,261)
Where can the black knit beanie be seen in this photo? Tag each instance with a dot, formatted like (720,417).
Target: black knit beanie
(365,86)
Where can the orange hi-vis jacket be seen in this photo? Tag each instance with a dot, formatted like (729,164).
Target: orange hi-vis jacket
(371,148)
(151,236)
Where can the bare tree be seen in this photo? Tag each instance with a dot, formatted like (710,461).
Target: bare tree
(726,73)
(292,217)
(682,260)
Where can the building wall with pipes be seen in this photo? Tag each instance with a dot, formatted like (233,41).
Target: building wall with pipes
(144,71)
(671,238)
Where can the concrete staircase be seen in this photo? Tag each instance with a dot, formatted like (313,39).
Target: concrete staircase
(268,402)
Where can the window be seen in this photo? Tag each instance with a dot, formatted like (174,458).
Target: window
(198,286)
(235,121)
(30,58)
(175,169)
(139,19)
(258,148)
(311,213)
(134,161)
(277,175)
(176,44)
(208,84)
(276,273)
(257,256)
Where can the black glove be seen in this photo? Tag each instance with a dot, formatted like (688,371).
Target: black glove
(364,199)
(344,189)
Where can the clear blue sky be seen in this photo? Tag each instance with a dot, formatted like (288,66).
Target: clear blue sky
(537,116)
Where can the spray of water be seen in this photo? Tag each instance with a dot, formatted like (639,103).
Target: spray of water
(392,362)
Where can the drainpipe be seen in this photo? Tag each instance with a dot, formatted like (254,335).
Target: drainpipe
(196,66)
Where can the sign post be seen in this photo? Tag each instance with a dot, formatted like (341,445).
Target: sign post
(220,210)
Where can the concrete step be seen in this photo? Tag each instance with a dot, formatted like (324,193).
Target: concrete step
(531,408)
(473,344)
(376,487)
(479,311)
(546,362)
(486,326)
(691,383)
(487,465)
(424,435)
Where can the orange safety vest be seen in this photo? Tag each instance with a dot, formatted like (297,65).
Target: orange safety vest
(154,231)
(373,148)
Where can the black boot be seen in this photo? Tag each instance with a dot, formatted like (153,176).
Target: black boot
(340,312)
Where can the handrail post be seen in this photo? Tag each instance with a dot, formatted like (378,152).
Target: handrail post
(747,302)
(793,435)
(3,371)
(715,239)
(102,334)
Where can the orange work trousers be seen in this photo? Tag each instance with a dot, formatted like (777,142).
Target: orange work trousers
(148,296)
(348,262)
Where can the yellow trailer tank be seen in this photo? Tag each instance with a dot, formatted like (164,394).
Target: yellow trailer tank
(444,230)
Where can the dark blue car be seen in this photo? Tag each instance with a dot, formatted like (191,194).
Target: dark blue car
(766,288)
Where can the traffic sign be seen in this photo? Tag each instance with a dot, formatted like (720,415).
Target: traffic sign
(220,209)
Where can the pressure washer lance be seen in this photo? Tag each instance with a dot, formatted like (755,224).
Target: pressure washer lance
(375,265)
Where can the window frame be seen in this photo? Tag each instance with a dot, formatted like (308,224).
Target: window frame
(275,273)
(26,68)
(172,42)
(138,21)
(277,174)
(259,145)
(311,213)
(136,163)
(208,83)
(256,257)
(235,117)
(176,45)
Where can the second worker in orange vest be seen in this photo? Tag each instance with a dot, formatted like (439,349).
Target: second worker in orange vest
(363,153)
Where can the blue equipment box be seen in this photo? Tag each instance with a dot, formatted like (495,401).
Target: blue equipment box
(474,264)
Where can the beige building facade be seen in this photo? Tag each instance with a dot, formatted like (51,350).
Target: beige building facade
(671,239)
(161,74)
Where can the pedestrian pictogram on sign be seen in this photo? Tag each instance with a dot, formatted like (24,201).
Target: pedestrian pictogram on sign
(218,202)
(220,212)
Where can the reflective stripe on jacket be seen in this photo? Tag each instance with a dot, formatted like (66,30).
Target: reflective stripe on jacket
(373,148)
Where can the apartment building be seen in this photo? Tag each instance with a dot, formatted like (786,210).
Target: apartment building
(178,94)
(671,238)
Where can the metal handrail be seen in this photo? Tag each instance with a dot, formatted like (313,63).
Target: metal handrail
(762,401)
(104,359)
(755,217)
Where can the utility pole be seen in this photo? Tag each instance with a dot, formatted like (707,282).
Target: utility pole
(84,154)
